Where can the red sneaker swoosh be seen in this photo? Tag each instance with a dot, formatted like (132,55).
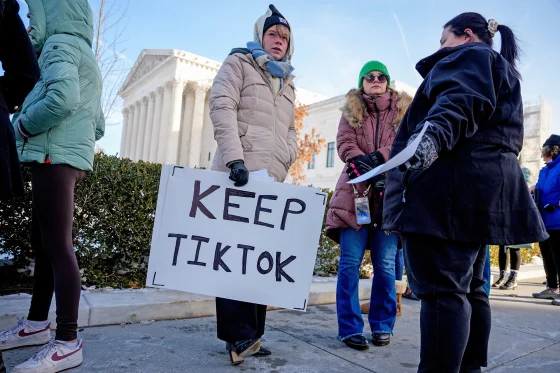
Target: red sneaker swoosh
(57,357)
(23,333)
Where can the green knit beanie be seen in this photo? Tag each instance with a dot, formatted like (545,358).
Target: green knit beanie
(373,66)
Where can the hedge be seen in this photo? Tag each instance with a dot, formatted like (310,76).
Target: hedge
(113,220)
(114,215)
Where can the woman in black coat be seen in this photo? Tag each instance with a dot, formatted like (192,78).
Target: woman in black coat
(21,72)
(462,189)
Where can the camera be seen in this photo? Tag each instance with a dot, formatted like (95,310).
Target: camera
(549,207)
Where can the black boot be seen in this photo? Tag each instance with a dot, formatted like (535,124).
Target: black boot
(381,338)
(357,342)
(263,352)
(511,283)
(238,351)
(501,280)
(2,367)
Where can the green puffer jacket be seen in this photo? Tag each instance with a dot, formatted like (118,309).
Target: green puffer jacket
(62,115)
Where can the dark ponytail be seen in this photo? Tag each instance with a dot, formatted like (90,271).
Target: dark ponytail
(479,26)
(510,47)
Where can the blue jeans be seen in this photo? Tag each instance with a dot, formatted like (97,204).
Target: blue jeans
(487,271)
(383,303)
(399,265)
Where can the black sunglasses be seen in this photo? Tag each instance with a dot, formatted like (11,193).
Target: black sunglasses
(370,78)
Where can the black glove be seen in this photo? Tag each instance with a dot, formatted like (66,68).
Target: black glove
(378,183)
(425,155)
(549,208)
(362,164)
(239,173)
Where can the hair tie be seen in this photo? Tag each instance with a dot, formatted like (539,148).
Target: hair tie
(492,27)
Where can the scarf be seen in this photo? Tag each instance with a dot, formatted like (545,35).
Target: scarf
(277,69)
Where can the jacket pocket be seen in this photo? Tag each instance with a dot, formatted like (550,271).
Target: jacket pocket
(245,139)
(37,94)
(285,154)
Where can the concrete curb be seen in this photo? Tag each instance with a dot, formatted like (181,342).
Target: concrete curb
(132,306)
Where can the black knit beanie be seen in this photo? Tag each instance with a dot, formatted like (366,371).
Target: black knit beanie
(276,18)
(552,140)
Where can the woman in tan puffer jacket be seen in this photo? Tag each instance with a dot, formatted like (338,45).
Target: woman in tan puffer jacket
(252,111)
(366,133)
(252,104)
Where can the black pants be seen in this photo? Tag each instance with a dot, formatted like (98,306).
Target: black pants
(239,321)
(2,367)
(515,258)
(455,316)
(56,267)
(550,251)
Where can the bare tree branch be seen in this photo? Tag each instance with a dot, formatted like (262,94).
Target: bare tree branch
(110,26)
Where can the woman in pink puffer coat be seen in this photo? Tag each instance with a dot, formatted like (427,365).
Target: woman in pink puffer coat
(366,132)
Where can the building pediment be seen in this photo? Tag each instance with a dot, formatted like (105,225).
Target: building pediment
(148,61)
(152,59)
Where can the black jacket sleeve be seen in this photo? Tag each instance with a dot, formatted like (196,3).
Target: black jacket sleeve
(463,88)
(19,62)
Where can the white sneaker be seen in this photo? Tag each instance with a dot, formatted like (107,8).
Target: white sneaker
(54,357)
(24,334)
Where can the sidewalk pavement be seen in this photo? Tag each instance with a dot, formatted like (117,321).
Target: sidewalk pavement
(115,307)
(525,337)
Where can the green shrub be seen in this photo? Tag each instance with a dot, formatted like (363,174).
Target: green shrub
(113,220)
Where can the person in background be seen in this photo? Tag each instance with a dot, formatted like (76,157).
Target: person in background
(252,111)
(445,200)
(515,258)
(367,128)
(509,282)
(56,129)
(399,271)
(21,72)
(487,271)
(548,201)
(400,285)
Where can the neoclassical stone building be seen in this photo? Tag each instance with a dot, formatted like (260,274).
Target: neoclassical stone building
(166,113)
(166,117)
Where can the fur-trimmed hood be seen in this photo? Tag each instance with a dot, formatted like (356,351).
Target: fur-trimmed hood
(355,109)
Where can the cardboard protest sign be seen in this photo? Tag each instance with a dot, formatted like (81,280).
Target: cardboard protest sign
(256,244)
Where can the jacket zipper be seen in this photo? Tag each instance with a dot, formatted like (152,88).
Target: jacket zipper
(273,129)
(47,146)
(274,109)
(376,125)
(25,140)
(405,184)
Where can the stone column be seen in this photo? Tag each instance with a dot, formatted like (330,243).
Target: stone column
(164,125)
(197,125)
(134,137)
(124,131)
(148,128)
(156,125)
(129,131)
(186,124)
(141,135)
(207,136)
(174,122)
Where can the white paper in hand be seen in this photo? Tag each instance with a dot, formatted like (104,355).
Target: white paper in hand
(396,161)
(262,174)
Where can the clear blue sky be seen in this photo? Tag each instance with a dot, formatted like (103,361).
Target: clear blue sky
(333,38)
